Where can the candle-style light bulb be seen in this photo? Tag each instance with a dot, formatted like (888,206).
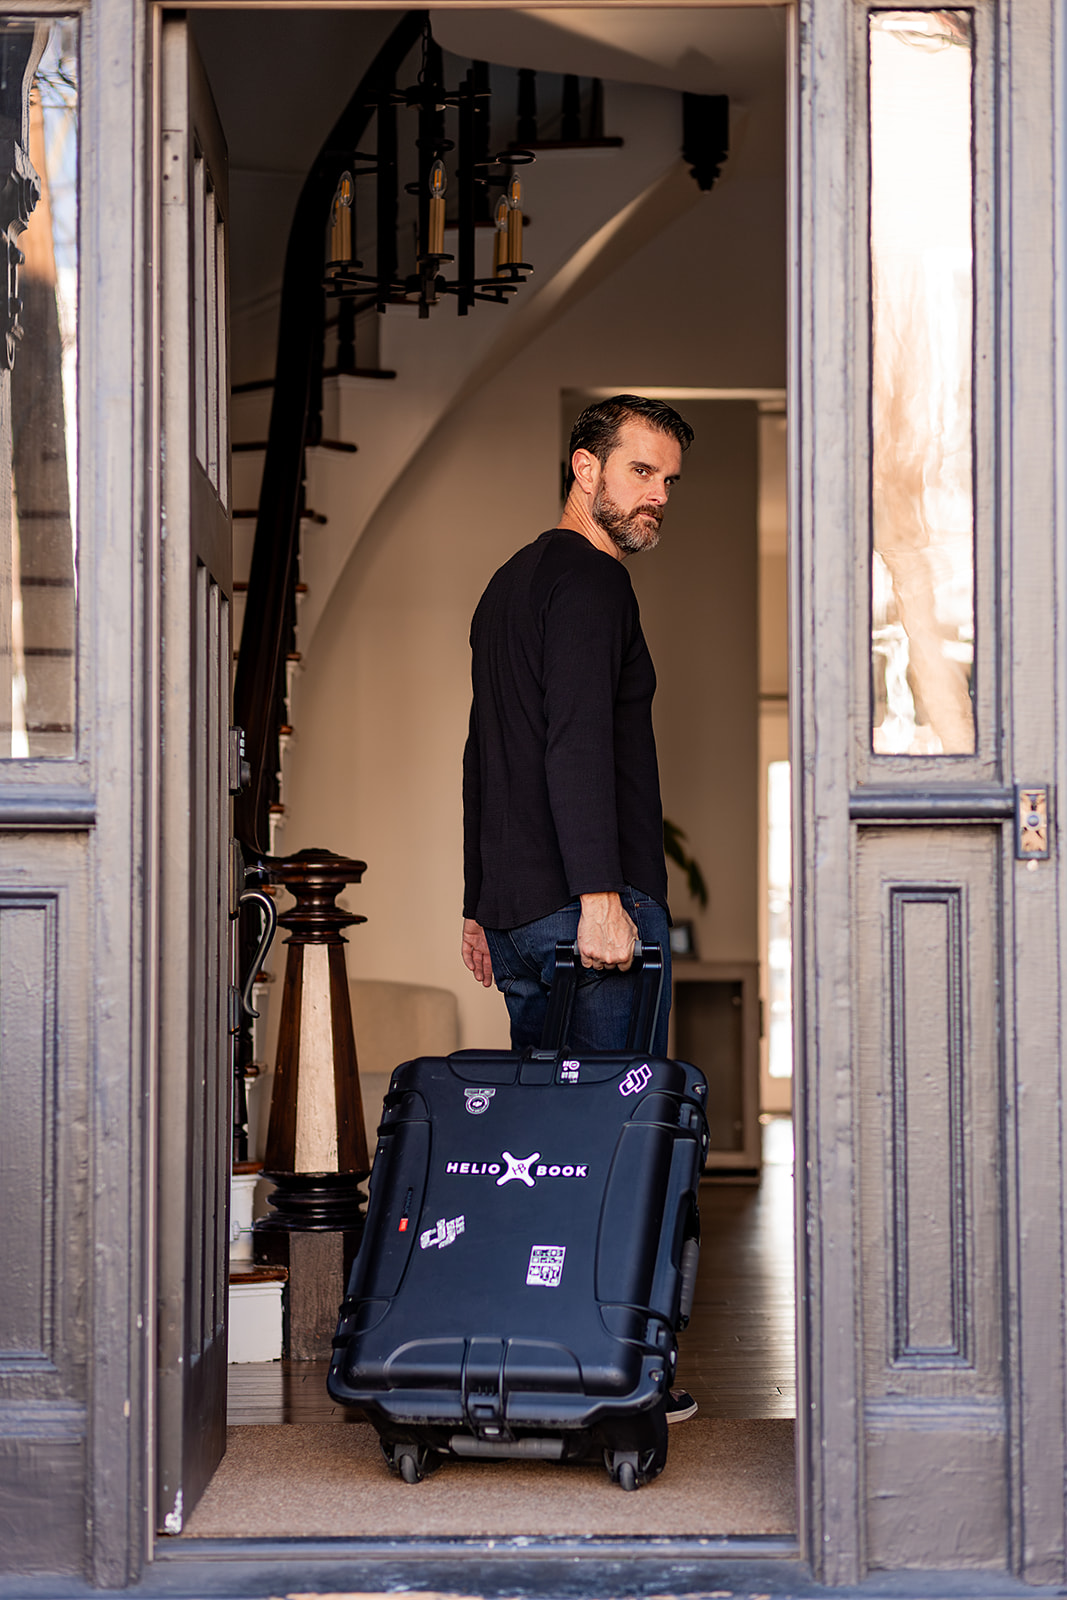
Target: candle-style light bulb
(436,231)
(341,221)
(515,219)
(500,237)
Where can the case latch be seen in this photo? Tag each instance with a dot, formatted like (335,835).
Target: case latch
(483,1388)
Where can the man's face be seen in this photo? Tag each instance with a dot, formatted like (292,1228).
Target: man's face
(634,485)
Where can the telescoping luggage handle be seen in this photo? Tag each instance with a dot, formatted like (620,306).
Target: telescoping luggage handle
(643,1013)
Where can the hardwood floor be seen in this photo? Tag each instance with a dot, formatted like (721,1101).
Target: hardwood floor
(736,1357)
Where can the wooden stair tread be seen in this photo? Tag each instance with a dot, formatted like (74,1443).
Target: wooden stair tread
(250,446)
(245,514)
(252,386)
(385,373)
(253,1273)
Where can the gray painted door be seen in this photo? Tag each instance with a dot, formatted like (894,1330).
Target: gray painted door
(927,460)
(194,1071)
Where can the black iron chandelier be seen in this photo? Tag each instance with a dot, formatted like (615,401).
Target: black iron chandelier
(477,176)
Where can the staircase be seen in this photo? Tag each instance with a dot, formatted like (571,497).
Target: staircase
(326,489)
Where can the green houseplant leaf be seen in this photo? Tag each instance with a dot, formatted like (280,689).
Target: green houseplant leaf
(674,841)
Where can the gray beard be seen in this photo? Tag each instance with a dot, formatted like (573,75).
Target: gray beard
(628,533)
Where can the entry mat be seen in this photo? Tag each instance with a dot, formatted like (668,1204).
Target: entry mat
(315,1480)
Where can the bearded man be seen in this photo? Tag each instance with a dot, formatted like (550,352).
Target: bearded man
(563,826)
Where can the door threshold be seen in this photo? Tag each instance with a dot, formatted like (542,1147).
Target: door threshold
(540,1568)
(763,1567)
(514,1547)
(565,1568)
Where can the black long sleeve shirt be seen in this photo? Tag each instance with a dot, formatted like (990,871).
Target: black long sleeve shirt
(560,781)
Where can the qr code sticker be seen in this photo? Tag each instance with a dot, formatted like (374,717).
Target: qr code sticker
(546,1266)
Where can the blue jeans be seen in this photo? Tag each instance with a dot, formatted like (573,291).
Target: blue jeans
(524,959)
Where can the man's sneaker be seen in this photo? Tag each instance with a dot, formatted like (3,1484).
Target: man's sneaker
(680,1406)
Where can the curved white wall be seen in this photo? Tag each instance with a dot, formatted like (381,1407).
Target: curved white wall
(381,709)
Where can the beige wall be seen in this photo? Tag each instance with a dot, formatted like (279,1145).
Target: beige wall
(774,575)
(382,707)
(699,611)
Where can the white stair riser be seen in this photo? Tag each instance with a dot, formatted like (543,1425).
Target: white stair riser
(255,1332)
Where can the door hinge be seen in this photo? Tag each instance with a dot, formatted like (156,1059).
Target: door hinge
(240,769)
(172,167)
(1031,822)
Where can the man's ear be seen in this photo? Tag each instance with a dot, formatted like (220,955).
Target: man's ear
(586,469)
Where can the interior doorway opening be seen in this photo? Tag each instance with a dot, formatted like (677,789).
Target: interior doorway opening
(775,789)
(378,585)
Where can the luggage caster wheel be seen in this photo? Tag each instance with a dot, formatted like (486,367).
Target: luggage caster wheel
(624,1468)
(410,1461)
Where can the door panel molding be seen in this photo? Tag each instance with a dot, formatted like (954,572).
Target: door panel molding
(931,1196)
(44,1199)
(931,1307)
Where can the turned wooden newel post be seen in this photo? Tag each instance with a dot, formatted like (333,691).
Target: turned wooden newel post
(316,1152)
(316,1142)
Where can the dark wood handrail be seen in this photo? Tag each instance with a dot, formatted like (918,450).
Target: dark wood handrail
(269,611)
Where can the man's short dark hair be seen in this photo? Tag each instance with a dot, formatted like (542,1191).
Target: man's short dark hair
(597,429)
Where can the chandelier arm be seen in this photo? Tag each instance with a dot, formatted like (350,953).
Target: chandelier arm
(465,177)
(387,199)
(477,171)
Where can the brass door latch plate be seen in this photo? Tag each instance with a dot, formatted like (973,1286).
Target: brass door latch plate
(1031,822)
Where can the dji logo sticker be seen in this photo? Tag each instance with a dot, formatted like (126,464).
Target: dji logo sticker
(478,1100)
(636,1079)
(569,1070)
(443,1233)
(518,1169)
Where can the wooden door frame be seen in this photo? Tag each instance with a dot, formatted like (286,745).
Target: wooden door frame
(96,803)
(825,320)
(189,652)
(155,10)
(833,795)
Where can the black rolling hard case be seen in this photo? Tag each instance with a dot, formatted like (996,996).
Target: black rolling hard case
(530,1251)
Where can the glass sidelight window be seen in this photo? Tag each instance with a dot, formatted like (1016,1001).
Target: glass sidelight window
(922,408)
(38,385)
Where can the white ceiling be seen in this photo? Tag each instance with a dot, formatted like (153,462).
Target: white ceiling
(282,76)
(735,50)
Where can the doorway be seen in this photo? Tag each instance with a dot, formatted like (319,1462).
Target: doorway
(377,589)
